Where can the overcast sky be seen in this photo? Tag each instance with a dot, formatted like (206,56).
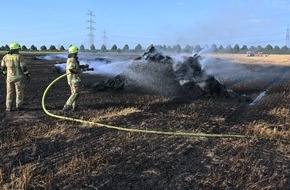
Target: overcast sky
(159,22)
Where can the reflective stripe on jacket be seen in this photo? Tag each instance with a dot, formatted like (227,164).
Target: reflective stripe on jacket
(14,66)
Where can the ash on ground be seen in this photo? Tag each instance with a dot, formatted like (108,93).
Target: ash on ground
(156,73)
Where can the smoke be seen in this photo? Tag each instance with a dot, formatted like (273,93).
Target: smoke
(145,77)
(103,65)
(84,56)
(100,68)
(259,97)
(110,69)
(139,73)
(154,77)
(151,77)
(52,57)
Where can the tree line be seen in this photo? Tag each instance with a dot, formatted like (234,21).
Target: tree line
(269,49)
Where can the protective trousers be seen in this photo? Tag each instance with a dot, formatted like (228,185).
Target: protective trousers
(72,100)
(15,88)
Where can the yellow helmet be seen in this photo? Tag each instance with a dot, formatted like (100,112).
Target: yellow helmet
(73,49)
(14,45)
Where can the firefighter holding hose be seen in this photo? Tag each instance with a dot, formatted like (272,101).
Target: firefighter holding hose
(14,70)
(74,69)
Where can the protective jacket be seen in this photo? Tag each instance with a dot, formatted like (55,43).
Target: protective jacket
(73,67)
(14,67)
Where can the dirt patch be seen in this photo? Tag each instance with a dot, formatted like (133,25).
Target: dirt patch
(42,152)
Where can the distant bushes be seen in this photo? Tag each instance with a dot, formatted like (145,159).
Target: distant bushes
(213,48)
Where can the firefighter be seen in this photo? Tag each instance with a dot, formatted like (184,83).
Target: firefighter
(14,70)
(73,79)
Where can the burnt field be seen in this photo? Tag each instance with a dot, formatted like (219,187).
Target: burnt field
(42,152)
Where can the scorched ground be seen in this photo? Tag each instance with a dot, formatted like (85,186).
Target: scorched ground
(41,152)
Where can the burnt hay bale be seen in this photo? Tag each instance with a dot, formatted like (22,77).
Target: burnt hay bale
(165,77)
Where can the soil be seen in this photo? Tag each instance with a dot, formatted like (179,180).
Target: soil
(42,152)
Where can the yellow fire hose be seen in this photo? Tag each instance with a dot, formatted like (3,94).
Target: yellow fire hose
(130,129)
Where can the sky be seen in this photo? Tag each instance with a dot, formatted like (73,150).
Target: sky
(158,22)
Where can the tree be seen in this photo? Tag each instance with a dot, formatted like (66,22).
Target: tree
(61,48)
(103,48)
(126,47)
(188,49)
(268,49)
(6,48)
(284,50)
(252,48)
(82,48)
(197,48)
(138,47)
(33,48)
(244,48)
(276,50)
(221,49)
(52,48)
(93,48)
(236,49)
(24,48)
(114,48)
(259,48)
(159,47)
(229,49)
(43,48)
(164,47)
(177,48)
(213,48)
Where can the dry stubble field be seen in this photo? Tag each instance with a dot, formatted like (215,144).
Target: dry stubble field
(42,152)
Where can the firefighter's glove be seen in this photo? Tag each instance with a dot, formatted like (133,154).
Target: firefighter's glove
(27,78)
(84,67)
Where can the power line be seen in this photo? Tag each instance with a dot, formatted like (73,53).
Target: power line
(91,28)
(287,37)
(104,38)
